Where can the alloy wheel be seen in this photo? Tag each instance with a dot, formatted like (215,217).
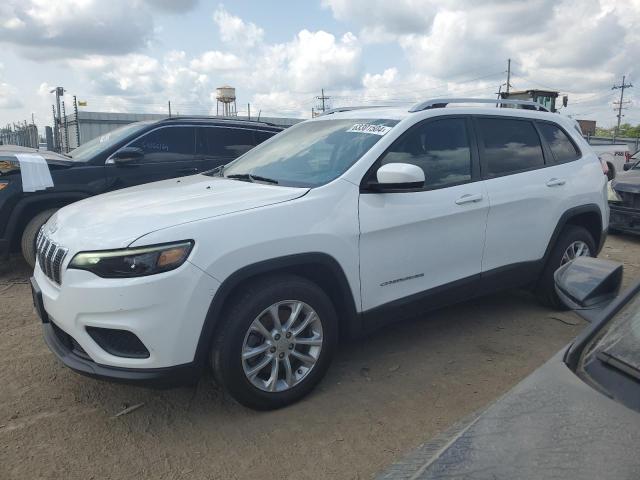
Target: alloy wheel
(282,345)
(574,250)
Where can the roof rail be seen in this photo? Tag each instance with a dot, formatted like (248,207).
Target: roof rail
(348,109)
(216,118)
(443,102)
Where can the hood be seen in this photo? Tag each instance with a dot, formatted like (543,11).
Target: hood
(9,162)
(116,219)
(628,181)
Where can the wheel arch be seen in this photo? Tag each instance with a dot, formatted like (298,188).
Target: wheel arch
(29,207)
(588,216)
(320,268)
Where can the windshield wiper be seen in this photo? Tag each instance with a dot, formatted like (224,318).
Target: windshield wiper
(217,171)
(251,177)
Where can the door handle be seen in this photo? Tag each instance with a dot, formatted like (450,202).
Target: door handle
(556,182)
(469,198)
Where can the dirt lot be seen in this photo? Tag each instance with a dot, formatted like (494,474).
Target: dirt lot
(382,397)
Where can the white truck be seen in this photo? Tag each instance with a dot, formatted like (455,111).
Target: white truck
(612,157)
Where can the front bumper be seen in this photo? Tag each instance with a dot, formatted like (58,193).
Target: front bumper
(165,311)
(156,377)
(624,219)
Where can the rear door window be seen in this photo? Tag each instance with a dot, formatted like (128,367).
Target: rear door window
(562,148)
(509,146)
(225,142)
(167,144)
(439,147)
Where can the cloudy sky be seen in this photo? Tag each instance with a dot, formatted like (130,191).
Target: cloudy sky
(135,55)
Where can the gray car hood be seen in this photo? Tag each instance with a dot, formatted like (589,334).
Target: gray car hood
(551,425)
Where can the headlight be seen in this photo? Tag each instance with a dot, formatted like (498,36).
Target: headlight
(133,262)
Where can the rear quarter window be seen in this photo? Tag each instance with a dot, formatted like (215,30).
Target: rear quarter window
(562,148)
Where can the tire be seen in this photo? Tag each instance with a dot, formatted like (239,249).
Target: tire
(238,334)
(611,174)
(28,242)
(545,290)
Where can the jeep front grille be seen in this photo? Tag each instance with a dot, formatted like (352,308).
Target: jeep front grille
(50,256)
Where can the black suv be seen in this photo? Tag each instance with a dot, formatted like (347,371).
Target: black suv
(136,153)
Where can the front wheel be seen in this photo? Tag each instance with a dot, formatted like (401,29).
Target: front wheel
(30,233)
(573,242)
(276,343)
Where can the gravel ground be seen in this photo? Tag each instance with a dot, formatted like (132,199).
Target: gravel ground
(383,396)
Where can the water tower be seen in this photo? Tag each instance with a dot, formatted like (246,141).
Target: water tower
(226,96)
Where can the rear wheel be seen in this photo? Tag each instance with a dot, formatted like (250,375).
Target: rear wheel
(28,242)
(276,343)
(573,242)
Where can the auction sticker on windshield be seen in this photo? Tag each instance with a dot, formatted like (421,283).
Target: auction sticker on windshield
(369,128)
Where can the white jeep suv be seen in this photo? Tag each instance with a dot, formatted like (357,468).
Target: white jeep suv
(332,227)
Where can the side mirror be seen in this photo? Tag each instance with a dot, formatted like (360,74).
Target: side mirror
(126,155)
(587,282)
(399,176)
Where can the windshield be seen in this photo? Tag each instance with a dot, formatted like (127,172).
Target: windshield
(622,338)
(612,360)
(310,154)
(88,150)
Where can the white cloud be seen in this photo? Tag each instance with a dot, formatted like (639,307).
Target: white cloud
(311,61)
(235,31)
(451,47)
(382,20)
(46,29)
(9,95)
(214,60)
(577,47)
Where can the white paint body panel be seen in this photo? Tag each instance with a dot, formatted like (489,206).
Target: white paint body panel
(419,240)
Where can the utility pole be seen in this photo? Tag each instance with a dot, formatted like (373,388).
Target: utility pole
(75,112)
(323,98)
(248,111)
(169,103)
(66,129)
(57,120)
(621,103)
(54,142)
(508,75)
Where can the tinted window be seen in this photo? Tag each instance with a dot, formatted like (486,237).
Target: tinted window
(509,145)
(562,148)
(225,142)
(104,142)
(262,135)
(167,144)
(440,148)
